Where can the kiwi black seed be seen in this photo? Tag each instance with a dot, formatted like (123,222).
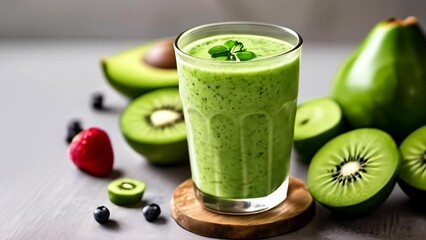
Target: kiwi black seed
(125,191)
(154,126)
(355,172)
(412,173)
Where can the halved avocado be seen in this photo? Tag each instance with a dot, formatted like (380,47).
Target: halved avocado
(129,73)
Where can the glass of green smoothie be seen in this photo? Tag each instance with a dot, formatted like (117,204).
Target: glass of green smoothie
(238,82)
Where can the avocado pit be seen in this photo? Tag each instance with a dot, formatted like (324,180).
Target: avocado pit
(162,55)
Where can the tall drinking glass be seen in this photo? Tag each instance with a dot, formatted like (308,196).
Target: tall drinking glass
(239,114)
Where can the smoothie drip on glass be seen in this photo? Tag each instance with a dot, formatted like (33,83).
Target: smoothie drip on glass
(240,116)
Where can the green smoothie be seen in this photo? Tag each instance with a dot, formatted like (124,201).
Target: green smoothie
(240,116)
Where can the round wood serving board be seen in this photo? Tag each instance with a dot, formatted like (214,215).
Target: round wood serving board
(295,212)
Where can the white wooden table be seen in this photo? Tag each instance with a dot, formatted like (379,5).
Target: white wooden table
(45,84)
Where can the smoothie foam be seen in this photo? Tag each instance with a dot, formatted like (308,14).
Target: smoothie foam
(240,117)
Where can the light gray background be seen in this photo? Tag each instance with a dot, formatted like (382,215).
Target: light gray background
(315,20)
(49,67)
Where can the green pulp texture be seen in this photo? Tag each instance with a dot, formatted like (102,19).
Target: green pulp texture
(240,120)
(260,45)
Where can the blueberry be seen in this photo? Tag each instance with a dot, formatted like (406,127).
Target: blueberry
(98,101)
(74,128)
(101,214)
(69,138)
(75,125)
(151,212)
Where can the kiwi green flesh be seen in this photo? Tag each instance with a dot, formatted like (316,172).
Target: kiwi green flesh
(130,75)
(138,125)
(413,163)
(315,117)
(161,144)
(126,191)
(353,168)
(366,207)
(317,121)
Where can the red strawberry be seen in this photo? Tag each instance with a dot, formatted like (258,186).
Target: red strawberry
(91,151)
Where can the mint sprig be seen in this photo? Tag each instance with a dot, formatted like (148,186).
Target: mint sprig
(231,51)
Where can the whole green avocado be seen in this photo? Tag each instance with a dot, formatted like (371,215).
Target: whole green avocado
(383,83)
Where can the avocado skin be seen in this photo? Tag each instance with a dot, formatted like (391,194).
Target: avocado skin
(383,82)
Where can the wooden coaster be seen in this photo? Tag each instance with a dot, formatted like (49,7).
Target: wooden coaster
(295,212)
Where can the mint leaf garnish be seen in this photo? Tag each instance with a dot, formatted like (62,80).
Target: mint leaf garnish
(231,51)
(245,55)
(218,50)
(229,44)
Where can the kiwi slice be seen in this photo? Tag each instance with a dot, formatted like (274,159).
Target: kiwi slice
(355,172)
(317,121)
(125,191)
(412,173)
(153,125)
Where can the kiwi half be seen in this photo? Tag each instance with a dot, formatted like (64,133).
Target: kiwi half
(412,173)
(317,121)
(153,125)
(354,172)
(125,191)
